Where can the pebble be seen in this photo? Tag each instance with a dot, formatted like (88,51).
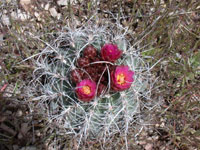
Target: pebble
(37,15)
(28,148)
(19,136)
(8,1)
(20,15)
(5,19)
(53,12)
(1,42)
(9,112)
(19,113)
(149,139)
(142,142)
(25,2)
(15,147)
(162,125)
(148,146)
(46,7)
(62,2)
(37,132)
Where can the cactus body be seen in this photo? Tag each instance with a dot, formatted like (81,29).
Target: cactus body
(110,111)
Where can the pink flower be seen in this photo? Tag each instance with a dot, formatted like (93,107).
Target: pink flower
(86,90)
(121,78)
(110,52)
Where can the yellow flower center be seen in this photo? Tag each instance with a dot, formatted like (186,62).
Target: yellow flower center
(86,89)
(110,50)
(121,78)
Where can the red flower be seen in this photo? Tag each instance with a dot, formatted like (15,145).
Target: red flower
(86,90)
(110,52)
(121,78)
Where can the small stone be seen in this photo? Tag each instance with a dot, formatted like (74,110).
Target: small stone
(8,1)
(156,137)
(1,42)
(2,119)
(5,11)
(162,119)
(63,2)
(37,132)
(59,16)
(149,138)
(5,19)
(162,125)
(46,6)
(19,136)
(15,147)
(19,113)
(25,2)
(77,22)
(28,148)
(20,15)
(53,12)
(142,142)
(36,14)
(14,15)
(42,5)
(148,146)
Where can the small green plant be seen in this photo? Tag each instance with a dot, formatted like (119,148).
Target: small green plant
(104,112)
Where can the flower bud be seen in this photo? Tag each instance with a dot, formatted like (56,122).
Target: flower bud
(90,52)
(83,62)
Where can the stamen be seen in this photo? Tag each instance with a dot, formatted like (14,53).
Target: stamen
(86,89)
(121,78)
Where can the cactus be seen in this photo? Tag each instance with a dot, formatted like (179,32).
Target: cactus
(107,114)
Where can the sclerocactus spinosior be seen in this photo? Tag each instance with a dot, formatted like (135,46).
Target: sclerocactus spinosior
(90,90)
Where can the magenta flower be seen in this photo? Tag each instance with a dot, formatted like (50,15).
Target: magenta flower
(86,90)
(110,52)
(121,78)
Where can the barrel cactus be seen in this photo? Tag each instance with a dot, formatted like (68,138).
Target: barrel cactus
(86,101)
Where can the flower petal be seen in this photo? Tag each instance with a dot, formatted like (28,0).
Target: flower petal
(121,78)
(86,90)
(110,52)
